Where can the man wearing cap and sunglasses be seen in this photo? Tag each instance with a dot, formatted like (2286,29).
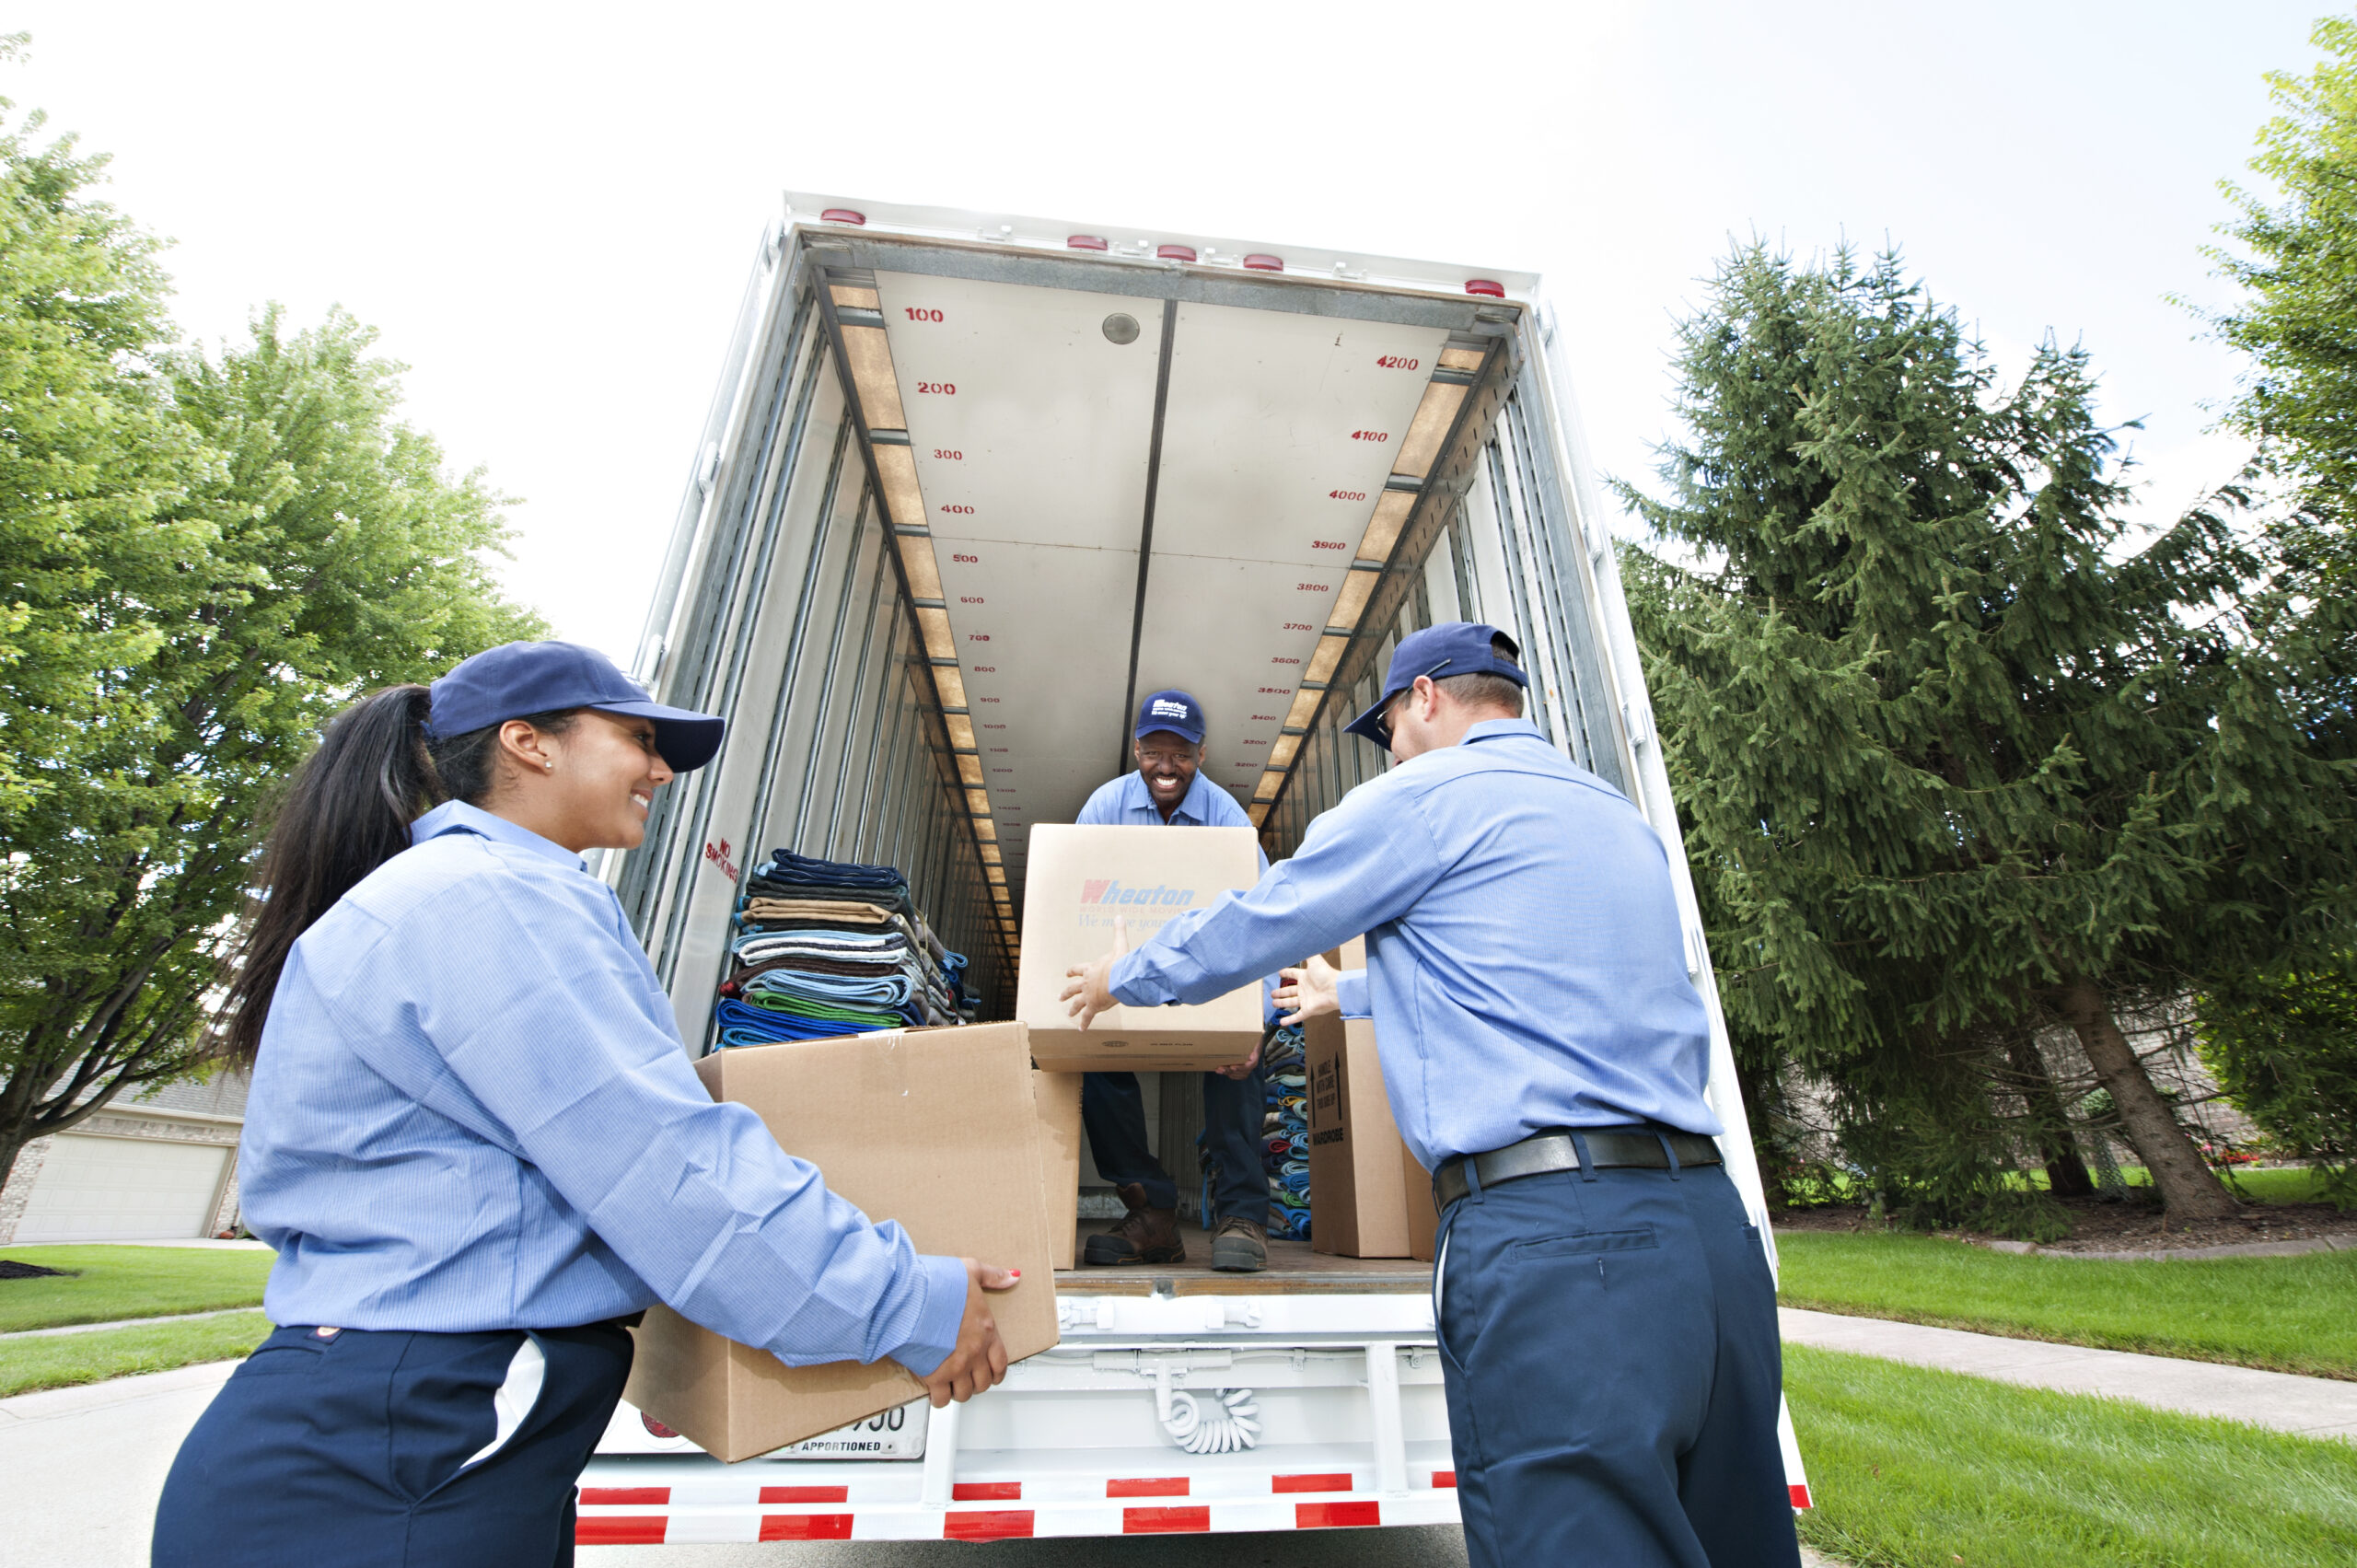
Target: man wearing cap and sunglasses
(1168,789)
(1606,1318)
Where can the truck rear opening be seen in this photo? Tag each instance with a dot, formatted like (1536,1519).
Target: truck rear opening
(970,487)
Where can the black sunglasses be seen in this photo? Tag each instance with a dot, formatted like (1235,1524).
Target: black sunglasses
(1383,719)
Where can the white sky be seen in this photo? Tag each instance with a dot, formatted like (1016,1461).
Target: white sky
(549,211)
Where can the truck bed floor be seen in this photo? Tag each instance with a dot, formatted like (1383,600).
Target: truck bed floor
(1293,1270)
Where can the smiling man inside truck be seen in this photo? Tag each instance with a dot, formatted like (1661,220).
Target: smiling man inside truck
(1168,790)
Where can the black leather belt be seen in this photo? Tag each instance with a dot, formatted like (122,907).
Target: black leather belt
(1608,1149)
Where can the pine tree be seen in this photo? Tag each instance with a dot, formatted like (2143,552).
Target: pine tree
(1958,762)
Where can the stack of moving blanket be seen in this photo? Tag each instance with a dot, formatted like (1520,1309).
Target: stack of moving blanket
(1286,1135)
(823,948)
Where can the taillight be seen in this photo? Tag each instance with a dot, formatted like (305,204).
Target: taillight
(1483,285)
(1086,242)
(1265,264)
(843,215)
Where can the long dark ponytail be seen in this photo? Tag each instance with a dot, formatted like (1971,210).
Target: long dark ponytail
(346,811)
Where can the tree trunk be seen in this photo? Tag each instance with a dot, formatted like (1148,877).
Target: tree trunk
(2066,1173)
(2190,1189)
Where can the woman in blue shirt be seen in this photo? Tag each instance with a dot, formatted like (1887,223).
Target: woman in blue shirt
(476,1142)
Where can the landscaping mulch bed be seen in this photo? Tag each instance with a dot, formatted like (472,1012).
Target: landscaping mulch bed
(11,1270)
(2134,1225)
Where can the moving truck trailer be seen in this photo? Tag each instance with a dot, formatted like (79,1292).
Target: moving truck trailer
(972,485)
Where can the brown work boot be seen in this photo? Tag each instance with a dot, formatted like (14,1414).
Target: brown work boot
(1147,1235)
(1241,1247)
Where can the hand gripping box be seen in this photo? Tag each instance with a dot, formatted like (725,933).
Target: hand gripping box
(1078,882)
(938,1128)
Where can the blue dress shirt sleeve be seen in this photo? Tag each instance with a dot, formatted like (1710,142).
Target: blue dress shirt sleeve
(1365,862)
(541,1023)
(1350,992)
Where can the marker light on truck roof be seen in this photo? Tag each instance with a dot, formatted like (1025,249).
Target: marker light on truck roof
(1483,285)
(1174,252)
(1260,261)
(1086,242)
(844,215)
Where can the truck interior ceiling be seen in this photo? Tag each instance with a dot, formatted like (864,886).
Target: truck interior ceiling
(960,506)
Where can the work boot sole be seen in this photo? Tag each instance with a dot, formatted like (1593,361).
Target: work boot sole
(1235,1255)
(1105,1249)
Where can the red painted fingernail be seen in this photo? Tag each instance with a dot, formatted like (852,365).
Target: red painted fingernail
(1014,1273)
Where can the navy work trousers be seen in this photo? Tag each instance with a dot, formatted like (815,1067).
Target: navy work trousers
(1613,1371)
(1112,1108)
(365,1450)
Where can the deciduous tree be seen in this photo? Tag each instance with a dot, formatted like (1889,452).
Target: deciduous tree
(200,557)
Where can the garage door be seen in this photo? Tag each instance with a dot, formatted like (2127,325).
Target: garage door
(123,1189)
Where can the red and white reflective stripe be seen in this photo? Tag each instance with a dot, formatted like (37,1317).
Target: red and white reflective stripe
(1800,1495)
(1056,1506)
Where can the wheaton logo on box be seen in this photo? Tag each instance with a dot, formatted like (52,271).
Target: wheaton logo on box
(1109,891)
(1092,889)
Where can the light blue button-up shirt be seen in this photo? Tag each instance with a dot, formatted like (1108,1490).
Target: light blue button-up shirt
(1525,967)
(1126,802)
(472,1111)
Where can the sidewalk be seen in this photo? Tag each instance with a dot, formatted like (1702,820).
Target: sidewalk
(2308,1407)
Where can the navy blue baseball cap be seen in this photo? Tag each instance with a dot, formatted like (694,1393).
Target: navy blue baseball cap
(1451,649)
(1177,712)
(517,679)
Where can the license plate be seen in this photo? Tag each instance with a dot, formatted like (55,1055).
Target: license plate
(896,1434)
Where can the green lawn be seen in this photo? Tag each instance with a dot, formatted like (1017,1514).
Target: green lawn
(58,1361)
(1915,1469)
(2297,1185)
(129,1282)
(2288,1314)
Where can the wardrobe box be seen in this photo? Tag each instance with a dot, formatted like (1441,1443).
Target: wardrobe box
(938,1128)
(1078,882)
(1357,1201)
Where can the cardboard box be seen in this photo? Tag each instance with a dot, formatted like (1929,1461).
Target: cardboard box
(938,1128)
(1057,1094)
(1079,881)
(1356,1203)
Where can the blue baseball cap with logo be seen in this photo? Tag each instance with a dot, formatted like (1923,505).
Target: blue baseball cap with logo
(1451,649)
(517,679)
(1177,712)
